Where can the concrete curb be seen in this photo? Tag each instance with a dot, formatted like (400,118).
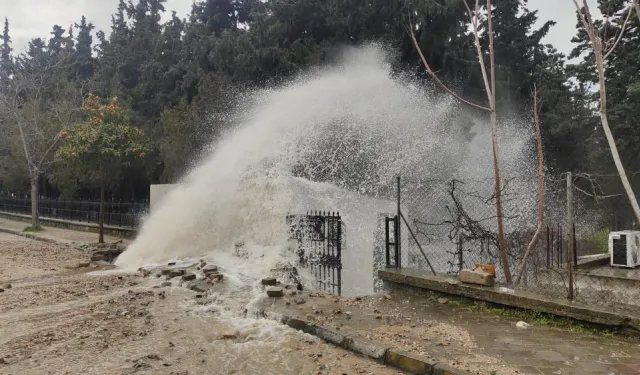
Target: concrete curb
(381,353)
(122,232)
(32,236)
(520,299)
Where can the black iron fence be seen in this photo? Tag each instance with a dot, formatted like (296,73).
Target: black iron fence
(319,246)
(116,213)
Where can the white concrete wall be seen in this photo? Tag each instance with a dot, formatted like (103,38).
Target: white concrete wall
(156,193)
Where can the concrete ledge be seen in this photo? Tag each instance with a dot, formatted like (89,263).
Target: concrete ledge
(520,299)
(29,236)
(395,358)
(409,362)
(122,232)
(369,348)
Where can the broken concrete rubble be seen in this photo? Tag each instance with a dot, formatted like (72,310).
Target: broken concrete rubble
(275,291)
(477,276)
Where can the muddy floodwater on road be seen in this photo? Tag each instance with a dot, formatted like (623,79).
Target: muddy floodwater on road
(57,319)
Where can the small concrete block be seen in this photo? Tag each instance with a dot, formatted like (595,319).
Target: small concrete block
(176,273)
(84,264)
(199,286)
(275,291)
(216,276)
(478,277)
(189,277)
(368,348)
(408,362)
(210,269)
(269,281)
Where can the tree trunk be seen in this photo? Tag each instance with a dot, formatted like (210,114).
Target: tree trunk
(536,235)
(35,217)
(101,220)
(607,132)
(619,166)
(504,251)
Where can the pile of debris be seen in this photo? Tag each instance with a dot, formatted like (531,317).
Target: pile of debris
(103,254)
(200,277)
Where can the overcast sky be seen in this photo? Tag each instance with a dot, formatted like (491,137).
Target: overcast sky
(35,18)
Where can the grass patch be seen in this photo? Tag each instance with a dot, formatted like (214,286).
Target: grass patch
(538,318)
(535,318)
(33,229)
(600,240)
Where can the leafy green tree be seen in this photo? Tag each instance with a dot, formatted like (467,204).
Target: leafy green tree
(102,146)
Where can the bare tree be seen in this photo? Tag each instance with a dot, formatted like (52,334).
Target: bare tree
(33,110)
(601,50)
(490,89)
(536,235)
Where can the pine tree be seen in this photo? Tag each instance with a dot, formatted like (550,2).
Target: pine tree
(6,60)
(84,64)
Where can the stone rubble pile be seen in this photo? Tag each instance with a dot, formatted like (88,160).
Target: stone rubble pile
(199,277)
(102,254)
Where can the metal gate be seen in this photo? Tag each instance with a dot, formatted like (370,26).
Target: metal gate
(319,247)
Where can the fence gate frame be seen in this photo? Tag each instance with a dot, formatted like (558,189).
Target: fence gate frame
(319,247)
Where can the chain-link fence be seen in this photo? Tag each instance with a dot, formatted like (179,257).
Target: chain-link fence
(452,225)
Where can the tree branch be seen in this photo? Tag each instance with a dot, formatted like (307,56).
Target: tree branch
(435,77)
(620,34)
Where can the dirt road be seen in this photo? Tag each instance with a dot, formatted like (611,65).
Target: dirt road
(57,318)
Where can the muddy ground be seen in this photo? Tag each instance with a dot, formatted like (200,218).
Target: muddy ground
(57,318)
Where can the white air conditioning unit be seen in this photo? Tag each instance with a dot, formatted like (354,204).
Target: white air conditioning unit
(624,248)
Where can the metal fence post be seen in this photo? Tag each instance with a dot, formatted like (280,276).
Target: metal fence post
(398,237)
(570,250)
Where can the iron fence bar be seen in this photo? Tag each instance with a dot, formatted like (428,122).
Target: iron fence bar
(398,241)
(386,242)
(575,247)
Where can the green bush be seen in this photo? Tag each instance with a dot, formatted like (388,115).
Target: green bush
(33,229)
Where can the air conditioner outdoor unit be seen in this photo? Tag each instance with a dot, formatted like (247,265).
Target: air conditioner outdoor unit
(624,248)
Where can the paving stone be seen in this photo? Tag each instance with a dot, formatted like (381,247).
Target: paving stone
(199,286)
(176,273)
(189,277)
(210,269)
(275,291)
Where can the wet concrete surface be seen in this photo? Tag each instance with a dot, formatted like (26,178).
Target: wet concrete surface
(468,337)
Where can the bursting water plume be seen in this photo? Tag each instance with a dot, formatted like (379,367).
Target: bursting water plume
(333,140)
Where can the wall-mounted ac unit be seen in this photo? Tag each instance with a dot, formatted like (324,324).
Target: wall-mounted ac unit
(624,248)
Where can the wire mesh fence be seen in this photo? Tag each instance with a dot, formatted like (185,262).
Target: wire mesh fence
(116,213)
(453,225)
